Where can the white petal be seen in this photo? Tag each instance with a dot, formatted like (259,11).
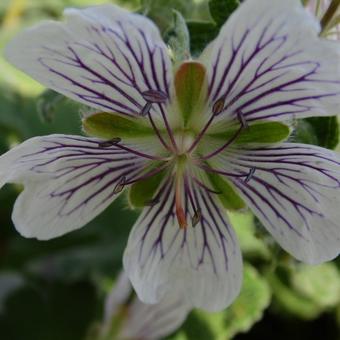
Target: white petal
(294,191)
(102,56)
(117,298)
(269,63)
(151,322)
(68,180)
(203,263)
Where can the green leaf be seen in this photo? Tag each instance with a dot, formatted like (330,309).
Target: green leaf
(108,125)
(326,130)
(253,247)
(248,308)
(191,87)
(142,192)
(220,10)
(178,39)
(226,192)
(320,284)
(49,311)
(264,133)
(201,34)
(322,131)
(286,300)
(160,11)
(47,104)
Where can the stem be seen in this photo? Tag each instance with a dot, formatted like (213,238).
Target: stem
(148,174)
(201,134)
(168,128)
(328,16)
(138,153)
(158,133)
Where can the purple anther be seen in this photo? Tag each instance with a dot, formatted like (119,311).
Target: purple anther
(250,175)
(242,119)
(152,202)
(120,185)
(146,109)
(108,143)
(196,218)
(154,96)
(218,107)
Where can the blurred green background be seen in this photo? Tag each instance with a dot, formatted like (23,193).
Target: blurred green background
(55,290)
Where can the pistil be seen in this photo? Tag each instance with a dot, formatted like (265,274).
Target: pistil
(180,213)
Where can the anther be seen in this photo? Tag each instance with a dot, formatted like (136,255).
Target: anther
(250,175)
(152,202)
(242,119)
(196,218)
(218,106)
(109,143)
(152,96)
(120,185)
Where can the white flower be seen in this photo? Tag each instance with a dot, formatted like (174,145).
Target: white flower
(187,142)
(136,320)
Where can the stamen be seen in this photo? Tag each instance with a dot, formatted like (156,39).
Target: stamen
(206,187)
(242,120)
(250,175)
(196,218)
(180,213)
(146,109)
(119,186)
(218,106)
(216,110)
(244,125)
(148,174)
(109,143)
(152,202)
(154,96)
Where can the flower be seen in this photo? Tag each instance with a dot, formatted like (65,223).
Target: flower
(136,320)
(189,143)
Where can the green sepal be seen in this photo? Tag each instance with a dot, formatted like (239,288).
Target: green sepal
(191,87)
(226,193)
(263,133)
(109,125)
(142,192)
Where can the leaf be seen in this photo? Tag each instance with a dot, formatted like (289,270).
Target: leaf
(262,132)
(47,103)
(109,125)
(178,39)
(286,300)
(253,247)
(201,34)
(247,309)
(322,131)
(320,284)
(326,130)
(220,10)
(226,192)
(49,312)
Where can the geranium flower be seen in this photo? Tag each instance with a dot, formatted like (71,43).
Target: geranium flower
(124,319)
(188,142)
